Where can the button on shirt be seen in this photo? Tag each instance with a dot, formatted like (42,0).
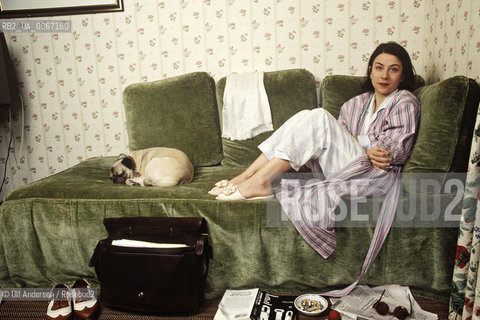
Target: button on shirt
(370,116)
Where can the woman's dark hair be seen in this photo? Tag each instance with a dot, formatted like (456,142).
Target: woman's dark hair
(408,73)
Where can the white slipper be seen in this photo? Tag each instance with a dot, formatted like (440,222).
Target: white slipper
(238,196)
(222,183)
(219,190)
(220,187)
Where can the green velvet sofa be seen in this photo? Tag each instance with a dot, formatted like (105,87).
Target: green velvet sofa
(49,228)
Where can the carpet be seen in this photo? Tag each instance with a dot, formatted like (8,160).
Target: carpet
(20,310)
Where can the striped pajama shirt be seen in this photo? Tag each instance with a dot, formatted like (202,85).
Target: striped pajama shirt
(304,140)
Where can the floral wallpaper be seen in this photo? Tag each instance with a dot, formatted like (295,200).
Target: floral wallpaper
(71,83)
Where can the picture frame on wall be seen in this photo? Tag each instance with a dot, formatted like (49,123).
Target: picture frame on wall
(43,8)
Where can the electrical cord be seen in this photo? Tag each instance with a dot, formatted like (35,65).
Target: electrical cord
(8,150)
(21,139)
(11,140)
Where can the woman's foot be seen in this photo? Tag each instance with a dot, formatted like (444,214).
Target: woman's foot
(240,178)
(256,186)
(251,189)
(223,185)
(249,172)
(257,180)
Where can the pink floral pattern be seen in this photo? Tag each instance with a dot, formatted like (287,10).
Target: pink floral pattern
(72,83)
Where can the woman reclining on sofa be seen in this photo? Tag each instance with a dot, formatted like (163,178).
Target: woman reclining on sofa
(364,150)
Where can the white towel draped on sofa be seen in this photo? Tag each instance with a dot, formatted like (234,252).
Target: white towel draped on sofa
(246,111)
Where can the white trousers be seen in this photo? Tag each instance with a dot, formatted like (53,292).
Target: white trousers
(315,139)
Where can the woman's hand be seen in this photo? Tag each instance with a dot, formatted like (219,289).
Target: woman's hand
(379,157)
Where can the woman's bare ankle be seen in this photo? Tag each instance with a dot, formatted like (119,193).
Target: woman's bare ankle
(241,178)
(255,187)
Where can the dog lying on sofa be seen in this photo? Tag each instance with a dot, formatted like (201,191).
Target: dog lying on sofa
(160,167)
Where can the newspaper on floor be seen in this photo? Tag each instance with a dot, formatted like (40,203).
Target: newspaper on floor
(358,304)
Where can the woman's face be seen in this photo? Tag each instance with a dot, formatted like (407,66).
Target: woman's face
(386,73)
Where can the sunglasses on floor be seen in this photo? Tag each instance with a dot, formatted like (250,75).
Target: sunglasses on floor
(399,312)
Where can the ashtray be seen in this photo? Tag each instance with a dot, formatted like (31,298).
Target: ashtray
(311,304)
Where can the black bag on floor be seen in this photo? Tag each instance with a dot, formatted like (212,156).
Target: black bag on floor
(167,280)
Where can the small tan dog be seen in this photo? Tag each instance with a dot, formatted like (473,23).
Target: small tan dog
(161,167)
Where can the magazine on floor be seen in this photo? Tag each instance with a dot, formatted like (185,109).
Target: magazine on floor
(254,304)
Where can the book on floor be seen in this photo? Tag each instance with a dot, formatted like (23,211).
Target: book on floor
(254,304)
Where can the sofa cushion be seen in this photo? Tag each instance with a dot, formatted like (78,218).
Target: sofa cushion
(288,91)
(338,89)
(179,112)
(449,110)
